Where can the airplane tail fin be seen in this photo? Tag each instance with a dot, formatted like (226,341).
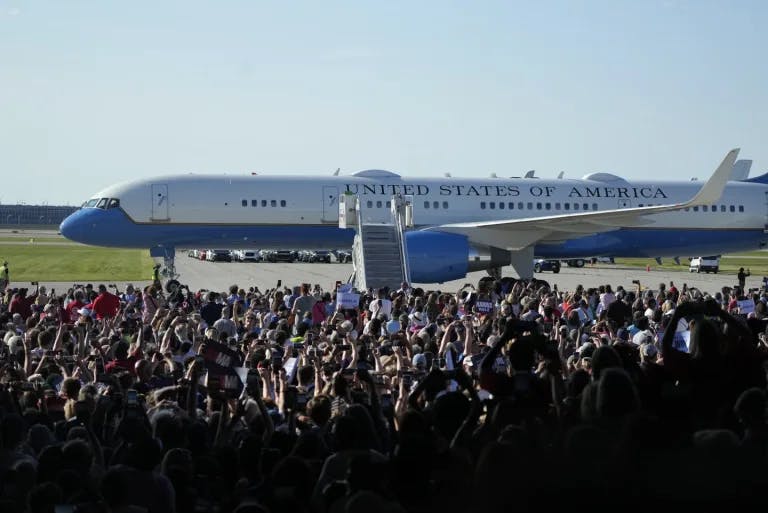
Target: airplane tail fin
(741,170)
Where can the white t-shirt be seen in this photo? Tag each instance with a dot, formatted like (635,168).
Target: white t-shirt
(381,307)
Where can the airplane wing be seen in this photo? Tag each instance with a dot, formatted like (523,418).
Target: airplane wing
(516,234)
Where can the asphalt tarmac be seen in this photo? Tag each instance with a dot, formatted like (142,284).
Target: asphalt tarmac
(220,275)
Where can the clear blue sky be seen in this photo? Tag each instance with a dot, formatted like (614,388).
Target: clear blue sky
(94,92)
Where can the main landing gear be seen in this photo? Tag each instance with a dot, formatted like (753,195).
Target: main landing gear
(167,270)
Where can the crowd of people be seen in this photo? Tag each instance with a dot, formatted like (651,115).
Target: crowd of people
(506,395)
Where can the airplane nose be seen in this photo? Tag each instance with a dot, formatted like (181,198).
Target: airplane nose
(72,227)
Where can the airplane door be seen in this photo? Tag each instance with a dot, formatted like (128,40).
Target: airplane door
(625,203)
(330,204)
(160,202)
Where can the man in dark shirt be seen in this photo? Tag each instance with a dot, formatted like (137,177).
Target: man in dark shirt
(619,311)
(211,311)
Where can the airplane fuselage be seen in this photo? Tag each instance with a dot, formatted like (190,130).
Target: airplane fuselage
(263,212)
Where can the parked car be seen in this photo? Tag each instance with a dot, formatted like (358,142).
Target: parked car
(321,255)
(603,260)
(707,264)
(266,255)
(193,253)
(286,255)
(540,265)
(575,262)
(343,256)
(282,255)
(249,255)
(219,255)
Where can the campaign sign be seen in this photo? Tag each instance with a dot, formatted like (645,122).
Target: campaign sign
(484,307)
(348,300)
(221,363)
(746,306)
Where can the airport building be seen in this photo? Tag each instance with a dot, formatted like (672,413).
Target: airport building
(33,215)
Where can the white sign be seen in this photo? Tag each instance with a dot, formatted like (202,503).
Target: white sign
(348,299)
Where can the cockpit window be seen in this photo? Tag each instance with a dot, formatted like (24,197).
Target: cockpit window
(113,203)
(102,203)
(91,203)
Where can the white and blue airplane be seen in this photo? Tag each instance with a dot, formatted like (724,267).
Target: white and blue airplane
(461,224)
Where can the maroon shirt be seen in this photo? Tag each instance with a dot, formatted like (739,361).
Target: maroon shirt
(106,305)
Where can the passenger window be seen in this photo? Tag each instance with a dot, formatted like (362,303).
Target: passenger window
(379,204)
(548,206)
(282,203)
(263,203)
(566,206)
(482,205)
(686,208)
(113,203)
(733,208)
(530,205)
(436,204)
(722,208)
(493,205)
(576,206)
(244,203)
(445,204)
(585,206)
(389,204)
(102,203)
(501,205)
(557,206)
(538,206)
(741,208)
(705,208)
(594,206)
(426,204)
(695,209)
(511,205)
(370,204)
(254,203)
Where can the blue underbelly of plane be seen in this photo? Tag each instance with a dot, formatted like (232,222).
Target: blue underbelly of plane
(114,228)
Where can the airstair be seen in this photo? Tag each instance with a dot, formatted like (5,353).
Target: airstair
(379,252)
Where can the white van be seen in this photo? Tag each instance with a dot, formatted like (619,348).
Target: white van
(707,264)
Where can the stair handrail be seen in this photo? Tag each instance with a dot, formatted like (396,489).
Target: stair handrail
(398,214)
(358,255)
